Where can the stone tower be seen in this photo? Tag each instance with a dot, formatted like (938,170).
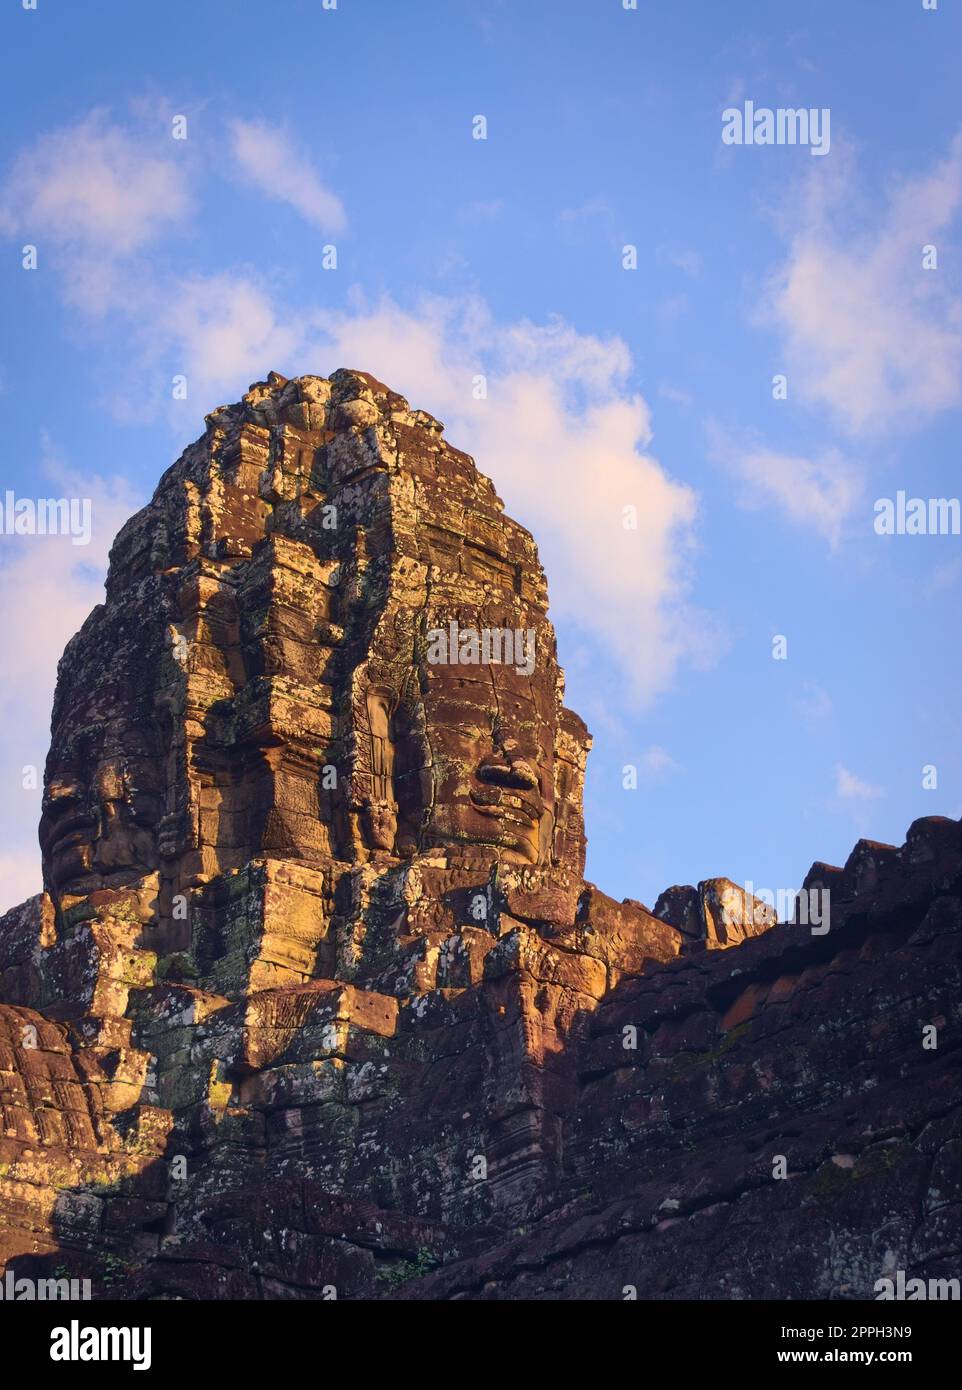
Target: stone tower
(316,994)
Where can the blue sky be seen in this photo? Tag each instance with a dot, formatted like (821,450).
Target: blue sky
(607,387)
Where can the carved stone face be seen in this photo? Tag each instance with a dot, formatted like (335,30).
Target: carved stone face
(68,828)
(272,647)
(492,730)
(98,831)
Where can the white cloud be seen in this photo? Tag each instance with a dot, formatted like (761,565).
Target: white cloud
(943,577)
(688,261)
(814,702)
(479,210)
(657,763)
(267,159)
(96,195)
(674,394)
(816,493)
(565,440)
(852,788)
(221,330)
(93,184)
(592,207)
(867,331)
(561,433)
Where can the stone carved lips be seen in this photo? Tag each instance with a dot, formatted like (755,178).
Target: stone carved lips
(98,830)
(71,826)
(510,794)
(500,816)
(507,789)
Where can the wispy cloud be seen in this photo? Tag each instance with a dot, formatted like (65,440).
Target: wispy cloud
(587,211)
(816,493)
(481,210)
(267,159)
(565,438)
(561,429)
(867,330)
(93,195)
(813,703)
(561,432)
(93,183)
(851,788)
(657,764)
(690,262)
(674,394)
(220,330)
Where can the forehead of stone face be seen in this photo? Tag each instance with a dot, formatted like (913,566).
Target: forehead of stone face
(470,697)
(454,693)
(461,524)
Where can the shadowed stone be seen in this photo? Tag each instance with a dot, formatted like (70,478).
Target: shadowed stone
(316,994)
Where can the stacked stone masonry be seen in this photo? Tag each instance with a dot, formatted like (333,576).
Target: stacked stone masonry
(316,1001)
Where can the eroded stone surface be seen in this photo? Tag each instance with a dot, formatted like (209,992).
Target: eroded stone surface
(317,999)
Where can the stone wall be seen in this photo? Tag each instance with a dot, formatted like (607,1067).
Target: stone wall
(317,1000)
